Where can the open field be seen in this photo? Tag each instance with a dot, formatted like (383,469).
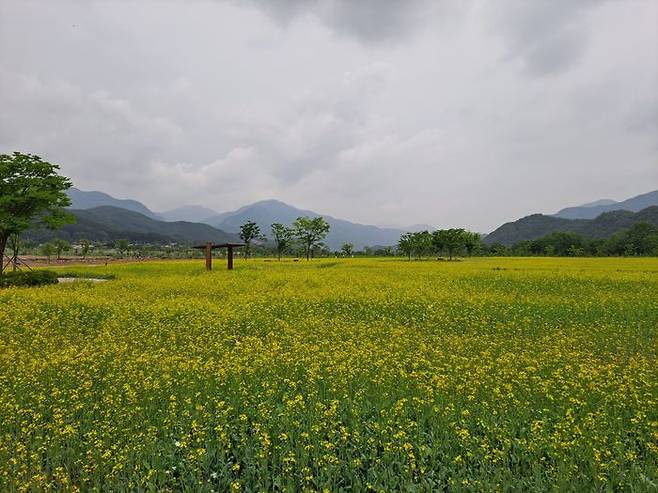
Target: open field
(500,374)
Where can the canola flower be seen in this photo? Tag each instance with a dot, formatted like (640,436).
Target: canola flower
(367,375)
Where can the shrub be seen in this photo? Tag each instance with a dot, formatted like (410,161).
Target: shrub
(29,278)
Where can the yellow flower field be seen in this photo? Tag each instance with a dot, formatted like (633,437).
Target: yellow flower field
(499,374)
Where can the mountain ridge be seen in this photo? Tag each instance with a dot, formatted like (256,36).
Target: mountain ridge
(108,223)
(592,210)
(537,225)
(341,231)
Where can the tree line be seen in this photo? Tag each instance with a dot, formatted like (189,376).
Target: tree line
(33,194)
(639,240)
(309,232)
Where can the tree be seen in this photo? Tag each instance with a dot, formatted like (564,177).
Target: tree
(406,244)
(472,243)
(347,249)
(422,243)
(47,250)
(282,237)
(84,247)
(61,246)
(310,232)
(450,240)
(14,244)
(249,232)
(122,246)
(32,193)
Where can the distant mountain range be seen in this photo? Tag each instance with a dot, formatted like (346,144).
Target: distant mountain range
(593,209)
(108,223)
(266,212)
(192,213)
(100,218)
(88,200)
(538,225)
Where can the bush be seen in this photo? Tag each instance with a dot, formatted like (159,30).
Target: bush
(29,278)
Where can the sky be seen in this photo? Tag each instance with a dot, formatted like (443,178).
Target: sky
(459,113)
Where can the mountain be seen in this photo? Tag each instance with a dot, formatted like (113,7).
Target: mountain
(593,209)
(107,224)
(192,213)
(599,202)
(88,200)
(538,225)
(266,212)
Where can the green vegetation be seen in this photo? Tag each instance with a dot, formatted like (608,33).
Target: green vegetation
(249,232)
(489,374)
(537,225)
(640,240)
(310,232)
(28,278)
(31,193)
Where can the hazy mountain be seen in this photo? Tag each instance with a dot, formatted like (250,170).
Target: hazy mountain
(412,229)
(107,223)
(593,209)
(538,225)
(599,202)
(192,213)
(88,200)
(266,212)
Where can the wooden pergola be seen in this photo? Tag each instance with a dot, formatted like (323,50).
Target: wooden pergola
(209,247)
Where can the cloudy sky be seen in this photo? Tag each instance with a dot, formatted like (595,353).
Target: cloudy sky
(452,113)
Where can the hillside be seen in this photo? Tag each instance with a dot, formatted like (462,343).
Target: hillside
(106,224)
(269,211)
(594,209)
(192,213)
(81,199)
(538,225)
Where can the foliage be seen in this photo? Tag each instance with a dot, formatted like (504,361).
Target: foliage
(640,240)
(61,246)
(406,244)
(48,250)
(85,246)
(122,245)
(605,225)
(249,232)
(310,232)
(31,192)
(283,236)
(28,278)
(347,249)
(383,375)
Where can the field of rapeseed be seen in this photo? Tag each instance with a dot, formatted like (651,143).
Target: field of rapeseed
(359,375)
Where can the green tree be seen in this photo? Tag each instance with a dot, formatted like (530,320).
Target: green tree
(406,244)
(310,232)
(122,245)
(421,243)
(249,232)
(48,250)
(347,249)
(14,244)
(61,246)
(85,245)
(282,237)
(449,240)
(32,193)
(472,243)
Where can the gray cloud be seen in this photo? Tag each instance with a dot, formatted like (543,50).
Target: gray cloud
(367,20)
(403,112)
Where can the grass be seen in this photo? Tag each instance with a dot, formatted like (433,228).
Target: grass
(482,375)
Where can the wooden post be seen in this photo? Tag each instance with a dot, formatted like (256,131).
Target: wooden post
(208,256)
(230,257)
